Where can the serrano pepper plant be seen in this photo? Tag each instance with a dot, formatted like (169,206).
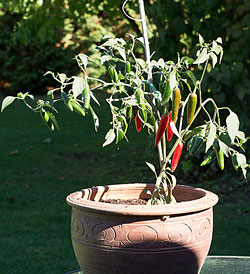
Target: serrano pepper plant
(166,104)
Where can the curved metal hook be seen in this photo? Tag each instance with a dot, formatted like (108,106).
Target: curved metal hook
(126,14)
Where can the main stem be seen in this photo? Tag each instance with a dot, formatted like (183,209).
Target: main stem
(148,61)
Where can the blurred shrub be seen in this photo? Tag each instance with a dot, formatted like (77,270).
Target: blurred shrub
(45,35)
(24,57)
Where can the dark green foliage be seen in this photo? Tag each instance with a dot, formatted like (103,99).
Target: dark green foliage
(177,26)
(25,57)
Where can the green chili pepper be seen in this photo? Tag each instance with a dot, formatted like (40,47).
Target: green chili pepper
(191,106)
(49,119)
(127,67)
(140,98)
(209,158)
(77,107)
(196,142)
(113,74)
(219,156)
(66,100)
(176,103)
(86,96)
(166,92)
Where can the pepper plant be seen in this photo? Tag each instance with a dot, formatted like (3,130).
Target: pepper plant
(166,104)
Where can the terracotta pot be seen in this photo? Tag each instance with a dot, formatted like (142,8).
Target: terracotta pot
(141,239)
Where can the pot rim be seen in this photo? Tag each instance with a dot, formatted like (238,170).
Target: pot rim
(206,200)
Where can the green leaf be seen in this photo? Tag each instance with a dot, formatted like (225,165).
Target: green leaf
(94,98)
(84,59)
(224,147)
(95,118)
(172,79)
(151,166)
(233,125)
(216,48)
(174,129)
(78,86)
(105,58)
(110,42)
(62,77)
(214,58)
(7,101)
(122,53)
(224,137)
(109,138)
(201,40)
(65,97)
(141,62)
(219,40)
(203,56)
(192,77)
(221,53)
(211,136)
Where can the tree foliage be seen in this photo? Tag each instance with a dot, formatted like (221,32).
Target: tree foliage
(31,29)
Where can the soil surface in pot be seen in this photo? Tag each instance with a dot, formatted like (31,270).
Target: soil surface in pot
(125,202)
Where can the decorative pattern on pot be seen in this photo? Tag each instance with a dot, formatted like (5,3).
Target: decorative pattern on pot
(108,233)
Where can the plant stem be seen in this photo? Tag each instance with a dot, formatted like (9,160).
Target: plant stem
(147,55)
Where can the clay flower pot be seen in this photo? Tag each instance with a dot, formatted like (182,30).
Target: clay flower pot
(141,239)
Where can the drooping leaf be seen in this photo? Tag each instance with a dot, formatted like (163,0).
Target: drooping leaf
(95,118)
(172,79)
(233,125)
(151,166)
(224,147)
(109,138)
(174,129)
(78,86)
(122,53)
(192,76)
(203,56)
(94,98)
(7,101)
(84,59)
(214,58)
(211,135)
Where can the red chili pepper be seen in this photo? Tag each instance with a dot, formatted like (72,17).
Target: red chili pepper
(169,131)
(138,123)
(162,128)
(176,156)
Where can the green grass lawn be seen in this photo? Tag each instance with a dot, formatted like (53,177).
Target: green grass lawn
(39,169)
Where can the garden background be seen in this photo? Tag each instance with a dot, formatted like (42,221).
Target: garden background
(39,168)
